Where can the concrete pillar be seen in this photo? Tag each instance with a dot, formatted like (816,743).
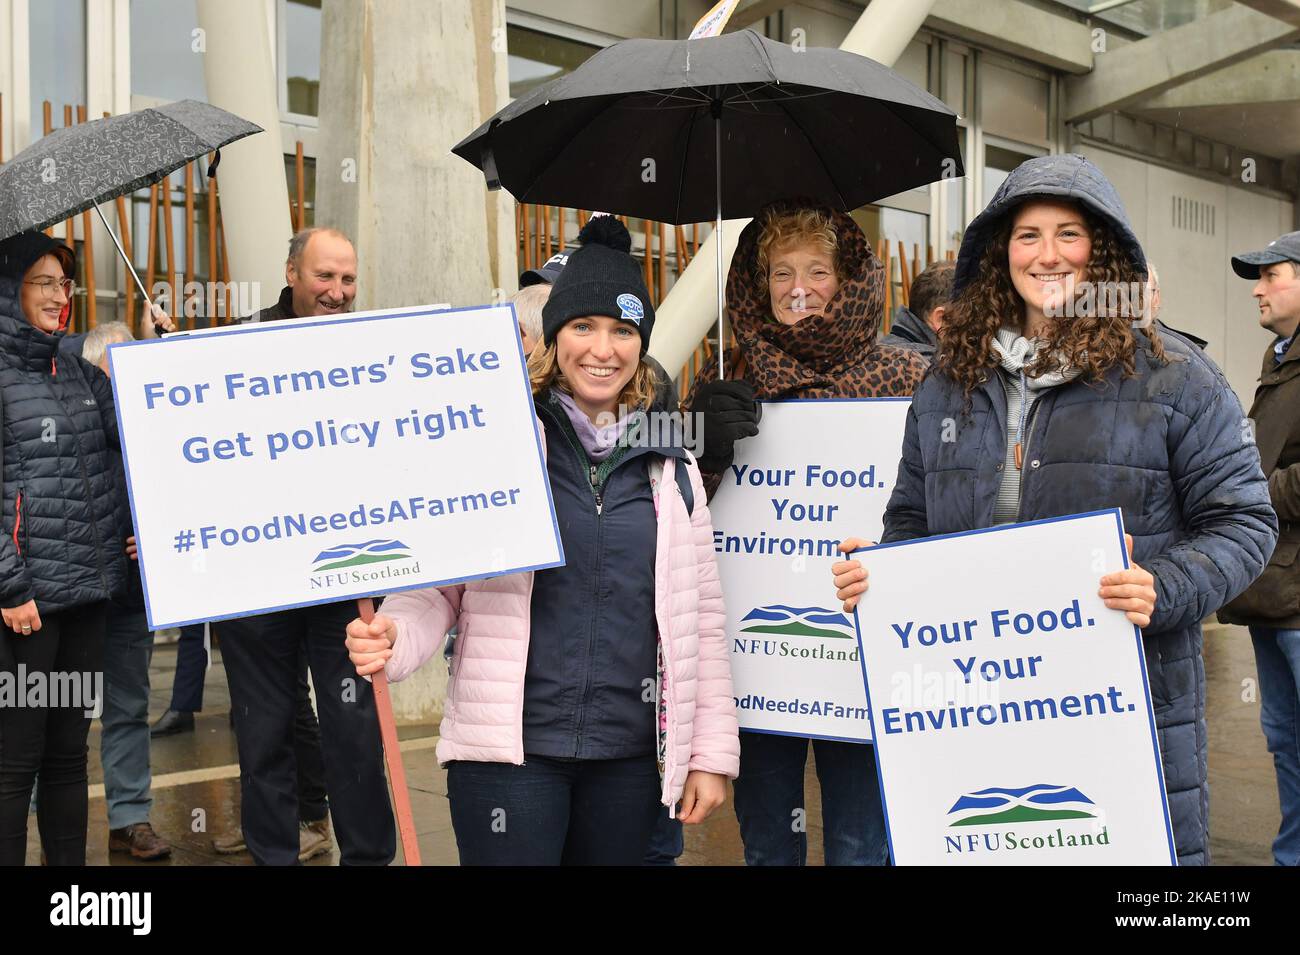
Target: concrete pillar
(881,33)
(403,81)
(240,75)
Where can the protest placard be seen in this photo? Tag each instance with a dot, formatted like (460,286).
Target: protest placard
(818,471)
(285,464)
(1012,716)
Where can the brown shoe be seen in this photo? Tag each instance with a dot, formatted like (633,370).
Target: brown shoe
(140,840)
(231,844)
(314,839)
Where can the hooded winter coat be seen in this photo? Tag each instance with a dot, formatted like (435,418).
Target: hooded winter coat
(62,544)
(1165,446)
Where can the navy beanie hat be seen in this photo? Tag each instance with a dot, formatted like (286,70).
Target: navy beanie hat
(600,278)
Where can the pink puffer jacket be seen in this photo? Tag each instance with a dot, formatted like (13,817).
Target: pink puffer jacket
(483,717)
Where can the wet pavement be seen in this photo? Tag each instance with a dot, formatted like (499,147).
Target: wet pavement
(196,778)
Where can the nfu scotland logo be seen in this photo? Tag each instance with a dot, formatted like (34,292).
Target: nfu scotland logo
(369,552)
(780,631)
(798,622)
(345,565)
(1027,806)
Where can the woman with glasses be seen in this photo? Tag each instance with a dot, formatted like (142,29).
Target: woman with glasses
(61,552)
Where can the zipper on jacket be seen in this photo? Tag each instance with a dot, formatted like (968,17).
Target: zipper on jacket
(597,489)
(18,522)
(1029,437)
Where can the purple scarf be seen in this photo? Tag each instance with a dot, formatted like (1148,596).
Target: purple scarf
(599,443)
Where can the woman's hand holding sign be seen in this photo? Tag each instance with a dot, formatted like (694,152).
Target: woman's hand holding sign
(371,644)
(850,575)
(1132,590)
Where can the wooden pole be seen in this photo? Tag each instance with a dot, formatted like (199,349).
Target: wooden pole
(225,256)
(168,245)
(392,753)
(178,305)
(69,236)
(88,251)
(211,299)
(527,243)
(889,278)
(904,291)
(546,233)
(649,261)
(559,241)
(151,271)
(124,227)
(663,265)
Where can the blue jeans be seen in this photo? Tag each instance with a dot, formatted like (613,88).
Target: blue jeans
(554,811)
(124,748)
(666,840)
(191,670)
(770,801)
(1277,658)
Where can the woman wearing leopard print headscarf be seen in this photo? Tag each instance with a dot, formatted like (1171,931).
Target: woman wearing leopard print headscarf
(805,299)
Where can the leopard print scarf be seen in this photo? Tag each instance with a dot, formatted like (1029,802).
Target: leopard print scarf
(834,355)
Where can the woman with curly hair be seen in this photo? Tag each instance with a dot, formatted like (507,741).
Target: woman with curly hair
(1066,398)
(805,299)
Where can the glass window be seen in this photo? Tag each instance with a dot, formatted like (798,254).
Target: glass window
(998,163)
(537,58)
(1012,103)
(57,52)
(301,70)
(164,62)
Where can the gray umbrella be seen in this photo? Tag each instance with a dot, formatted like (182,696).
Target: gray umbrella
(77,167)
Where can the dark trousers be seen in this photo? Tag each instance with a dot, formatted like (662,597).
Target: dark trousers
(554,811)
(771,810)
(262,656)
(191,670)
(48,739)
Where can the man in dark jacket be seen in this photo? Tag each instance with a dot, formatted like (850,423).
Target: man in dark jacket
(1271,607)
(917,327)
(263,656)
(128,649)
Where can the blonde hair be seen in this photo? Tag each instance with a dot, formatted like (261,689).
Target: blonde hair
(544,372)
(782,228)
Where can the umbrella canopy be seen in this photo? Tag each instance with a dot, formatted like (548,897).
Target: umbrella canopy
(77,167)
(633,131)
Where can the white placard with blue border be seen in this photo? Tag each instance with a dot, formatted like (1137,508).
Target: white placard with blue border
(310,461)
(1012,714)
(817,472)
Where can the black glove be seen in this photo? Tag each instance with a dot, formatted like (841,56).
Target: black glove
(729,413)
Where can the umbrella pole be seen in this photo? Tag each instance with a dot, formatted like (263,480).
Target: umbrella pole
(717,236)
(129,267)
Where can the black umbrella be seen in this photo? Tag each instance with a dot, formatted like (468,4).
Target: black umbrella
(77,167)
(645,128)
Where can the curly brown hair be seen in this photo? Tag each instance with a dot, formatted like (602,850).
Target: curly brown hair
(786,227)
(1096,337)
